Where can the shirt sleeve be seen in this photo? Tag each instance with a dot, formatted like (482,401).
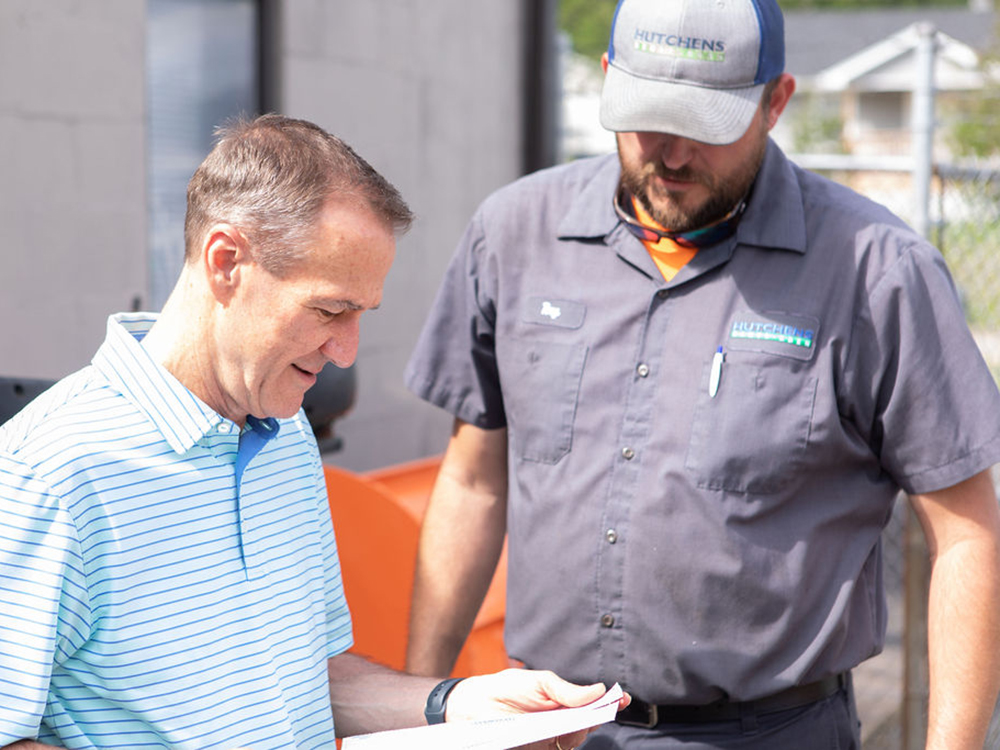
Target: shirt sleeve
(44,606)
(920,378)
(454,364)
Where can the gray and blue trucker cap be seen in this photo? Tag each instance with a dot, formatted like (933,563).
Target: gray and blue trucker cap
(693,68)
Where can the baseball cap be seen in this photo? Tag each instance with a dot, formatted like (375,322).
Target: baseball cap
(693,68)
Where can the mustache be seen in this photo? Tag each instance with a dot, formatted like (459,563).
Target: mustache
(684,174)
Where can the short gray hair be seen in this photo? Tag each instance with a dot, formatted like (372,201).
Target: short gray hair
(271,178)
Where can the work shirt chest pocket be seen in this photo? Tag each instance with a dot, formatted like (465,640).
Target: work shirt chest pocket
(752,436)
(541,385)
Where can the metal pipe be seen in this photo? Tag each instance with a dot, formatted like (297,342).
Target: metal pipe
(922,126)
(917,576)
(540,85)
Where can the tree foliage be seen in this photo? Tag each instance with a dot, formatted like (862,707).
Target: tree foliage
(975,117)
(588,23)
(976,128)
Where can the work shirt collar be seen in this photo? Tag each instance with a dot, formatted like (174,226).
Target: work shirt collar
(774,218)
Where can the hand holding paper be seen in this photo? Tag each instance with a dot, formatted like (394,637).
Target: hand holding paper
(495,734)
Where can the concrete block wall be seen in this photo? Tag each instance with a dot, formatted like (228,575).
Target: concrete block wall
(72,178)
(429,93)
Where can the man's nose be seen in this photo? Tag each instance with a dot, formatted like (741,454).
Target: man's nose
(341,348)
(675,152)
(672,150)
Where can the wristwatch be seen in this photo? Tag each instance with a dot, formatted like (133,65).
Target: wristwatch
(437,701)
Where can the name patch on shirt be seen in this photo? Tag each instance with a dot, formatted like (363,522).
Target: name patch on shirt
(786,334)
(551,311)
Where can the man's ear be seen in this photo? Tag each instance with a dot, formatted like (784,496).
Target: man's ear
(783,91)
(223,253)
(604,62)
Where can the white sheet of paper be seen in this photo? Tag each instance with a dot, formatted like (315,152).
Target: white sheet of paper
(494,734)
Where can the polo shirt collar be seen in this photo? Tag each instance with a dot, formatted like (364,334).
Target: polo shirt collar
(180,416)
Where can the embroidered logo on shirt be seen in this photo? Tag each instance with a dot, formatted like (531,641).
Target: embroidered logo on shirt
(553,312)
(785,334)
(772,331)
(550,310)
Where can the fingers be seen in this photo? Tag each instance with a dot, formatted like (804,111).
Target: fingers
(517,691)
(567,693)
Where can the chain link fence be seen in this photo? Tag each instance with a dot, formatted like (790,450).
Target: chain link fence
(965,226)
(968,234)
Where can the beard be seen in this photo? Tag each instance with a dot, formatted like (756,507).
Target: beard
(666,207)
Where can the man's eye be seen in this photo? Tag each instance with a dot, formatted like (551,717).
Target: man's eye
(327,314)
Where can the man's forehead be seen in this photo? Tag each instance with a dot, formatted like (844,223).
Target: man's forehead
(355,206)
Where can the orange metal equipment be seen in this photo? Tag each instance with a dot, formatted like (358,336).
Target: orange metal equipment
(377,517)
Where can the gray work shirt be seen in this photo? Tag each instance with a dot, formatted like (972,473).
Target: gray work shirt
(694,546)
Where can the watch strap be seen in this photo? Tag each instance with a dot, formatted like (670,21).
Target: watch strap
(437,701)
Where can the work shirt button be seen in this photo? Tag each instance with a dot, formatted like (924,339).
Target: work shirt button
(643,370)
(628,453)
(611,535)
(607,620)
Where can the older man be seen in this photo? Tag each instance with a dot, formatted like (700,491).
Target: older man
(170,575)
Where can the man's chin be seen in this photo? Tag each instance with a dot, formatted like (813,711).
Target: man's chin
(671,213)
(284,411)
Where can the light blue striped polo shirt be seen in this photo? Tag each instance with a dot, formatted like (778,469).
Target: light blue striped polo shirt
(164,580)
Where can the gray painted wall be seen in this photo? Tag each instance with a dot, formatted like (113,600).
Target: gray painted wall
(428,92)
(72,178)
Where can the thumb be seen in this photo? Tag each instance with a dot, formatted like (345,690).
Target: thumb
(570,694)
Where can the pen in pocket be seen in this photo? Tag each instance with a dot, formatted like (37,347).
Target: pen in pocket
(716,374)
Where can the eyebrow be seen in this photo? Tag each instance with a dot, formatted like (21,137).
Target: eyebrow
(344,303)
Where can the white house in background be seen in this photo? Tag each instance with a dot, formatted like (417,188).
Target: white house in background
(854,70)
(879,80)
